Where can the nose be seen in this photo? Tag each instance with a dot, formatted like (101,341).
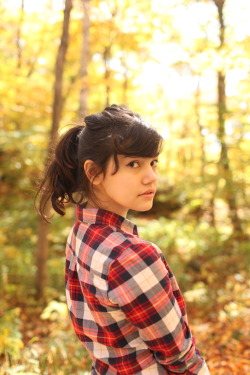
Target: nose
(150,175)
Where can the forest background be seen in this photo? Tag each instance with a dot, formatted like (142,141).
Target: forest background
(185,66)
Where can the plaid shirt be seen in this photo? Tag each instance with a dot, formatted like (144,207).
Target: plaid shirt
(124,302)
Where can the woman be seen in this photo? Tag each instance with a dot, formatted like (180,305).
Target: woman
(124,302)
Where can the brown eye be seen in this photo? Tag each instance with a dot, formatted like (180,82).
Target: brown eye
(133,164)
(154,163)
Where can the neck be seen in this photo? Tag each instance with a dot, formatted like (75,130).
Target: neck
(105,206)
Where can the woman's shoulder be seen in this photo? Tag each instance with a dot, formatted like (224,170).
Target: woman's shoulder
(135,247)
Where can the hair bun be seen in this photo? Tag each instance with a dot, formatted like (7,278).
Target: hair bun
(96,121)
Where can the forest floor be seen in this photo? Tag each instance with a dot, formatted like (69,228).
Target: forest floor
(224,344)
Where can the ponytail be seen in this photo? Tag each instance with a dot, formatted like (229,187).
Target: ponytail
(61,178)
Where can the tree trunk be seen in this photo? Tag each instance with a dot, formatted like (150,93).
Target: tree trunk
(107,74)
(83,73)
(107,55)
(224,163)
(19,37)
(59,68)
(125,79)
(42,245)
(200,129)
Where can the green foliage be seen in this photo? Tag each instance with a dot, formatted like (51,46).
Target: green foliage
(11,343)
(60,352)
(206,264)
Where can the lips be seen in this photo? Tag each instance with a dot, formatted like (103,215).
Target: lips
(149,192)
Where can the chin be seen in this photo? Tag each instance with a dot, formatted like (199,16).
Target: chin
(143,209)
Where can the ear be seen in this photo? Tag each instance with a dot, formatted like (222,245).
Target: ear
(92,171)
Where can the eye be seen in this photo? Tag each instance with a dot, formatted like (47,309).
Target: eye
(154,163)
(133,164)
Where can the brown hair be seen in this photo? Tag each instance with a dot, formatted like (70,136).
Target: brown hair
(116,130)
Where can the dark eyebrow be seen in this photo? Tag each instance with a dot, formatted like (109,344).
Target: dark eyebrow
(140,157)
(131,157)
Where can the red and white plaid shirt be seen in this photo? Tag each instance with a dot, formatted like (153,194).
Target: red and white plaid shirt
(124,302)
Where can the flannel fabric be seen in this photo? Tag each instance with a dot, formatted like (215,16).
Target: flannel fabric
(124,302)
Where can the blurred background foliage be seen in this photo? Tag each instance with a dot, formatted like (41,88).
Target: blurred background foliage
(184,65)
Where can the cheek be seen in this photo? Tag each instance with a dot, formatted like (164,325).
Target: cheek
(122,184)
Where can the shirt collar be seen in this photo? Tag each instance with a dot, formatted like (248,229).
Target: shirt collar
(102,217)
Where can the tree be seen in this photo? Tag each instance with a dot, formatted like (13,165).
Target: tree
(19,37)
(42,244)
(224,162)
(83,72)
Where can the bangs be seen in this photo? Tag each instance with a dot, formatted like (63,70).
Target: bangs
(142,141)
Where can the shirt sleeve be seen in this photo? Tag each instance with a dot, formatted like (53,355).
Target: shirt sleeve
(142,285)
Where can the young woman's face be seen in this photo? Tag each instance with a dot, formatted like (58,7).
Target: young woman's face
(133,186)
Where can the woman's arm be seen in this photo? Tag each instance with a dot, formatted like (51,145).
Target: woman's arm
(141,284)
